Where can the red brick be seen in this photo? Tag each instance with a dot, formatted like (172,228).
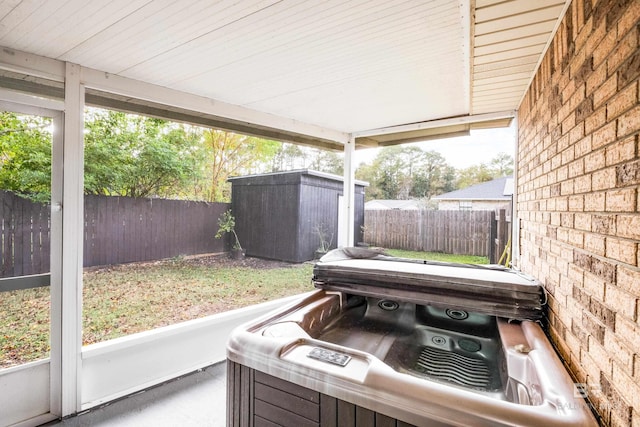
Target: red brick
(604,48)
(629,122)
(582,184)
(618,405)
(566,220)
(577,133)
(602,94)
(621,200)
(628,332)
(582,221)
(622,101)
(605,135)
(594,243)
(599,32)
(622,151)
(628,278)
(568,123)
(593,326)
(603,179)
(595,120)
(596,79)
(624,49)
(620,351)
(630,18)
(575,238)
(594,161)
(576,168)
(626,386)
(595,360)
(603,224)
(624,302)
(628,226)
(583,146)
(628,174)
(622,250)
(577,61)
(575,204)
(594,202)
(568,155)
(562,174)
(594,286)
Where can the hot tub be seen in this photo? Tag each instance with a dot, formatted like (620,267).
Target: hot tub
(343,358)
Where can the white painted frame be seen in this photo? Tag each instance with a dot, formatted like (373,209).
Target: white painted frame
(29,393)
(81,378)
(116,368)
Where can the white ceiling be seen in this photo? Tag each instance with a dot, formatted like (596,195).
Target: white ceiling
(349,66)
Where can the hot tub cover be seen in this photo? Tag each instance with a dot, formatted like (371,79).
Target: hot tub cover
(486,289)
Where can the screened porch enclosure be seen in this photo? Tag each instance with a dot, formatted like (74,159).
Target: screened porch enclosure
(338,75)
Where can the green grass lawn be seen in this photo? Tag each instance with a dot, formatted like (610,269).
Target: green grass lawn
(436,256)
(129,298)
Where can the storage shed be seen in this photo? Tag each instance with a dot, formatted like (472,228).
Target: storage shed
(280,215)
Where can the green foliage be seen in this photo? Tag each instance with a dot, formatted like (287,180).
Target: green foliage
(135,156)
(25,155)
(406,173)
(229,154)
(227,224)
(291,156)
(499,166)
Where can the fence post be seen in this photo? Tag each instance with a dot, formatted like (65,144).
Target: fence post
(493,234)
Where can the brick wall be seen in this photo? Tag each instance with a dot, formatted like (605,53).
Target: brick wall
(578,180)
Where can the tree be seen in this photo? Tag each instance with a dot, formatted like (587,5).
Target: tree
(406,173)
(287,157)
(499,166)
(229,154)
(137,156)
(291,156)
(25,155)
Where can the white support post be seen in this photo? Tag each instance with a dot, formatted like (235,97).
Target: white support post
(72,238)
(57,182)
(349,194)
(515,220)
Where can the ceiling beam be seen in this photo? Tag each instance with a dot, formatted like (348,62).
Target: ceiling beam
(113,91)
(433,129)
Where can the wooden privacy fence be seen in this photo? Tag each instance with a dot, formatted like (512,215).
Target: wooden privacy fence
(24,236)
(117,230)
(452,232)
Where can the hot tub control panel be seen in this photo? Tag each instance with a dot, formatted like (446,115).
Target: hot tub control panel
(329,356)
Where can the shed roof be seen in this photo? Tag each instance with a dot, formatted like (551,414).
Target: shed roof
(306,71)
(497,189)
(283,175)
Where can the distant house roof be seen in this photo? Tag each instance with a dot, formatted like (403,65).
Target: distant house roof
(497,189)
(392,204)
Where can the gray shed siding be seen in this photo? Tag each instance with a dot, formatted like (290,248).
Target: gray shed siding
(276,214)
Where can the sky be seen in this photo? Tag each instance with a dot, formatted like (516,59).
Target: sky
(461,152)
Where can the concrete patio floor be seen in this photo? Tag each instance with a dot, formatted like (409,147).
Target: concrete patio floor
(197,399)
